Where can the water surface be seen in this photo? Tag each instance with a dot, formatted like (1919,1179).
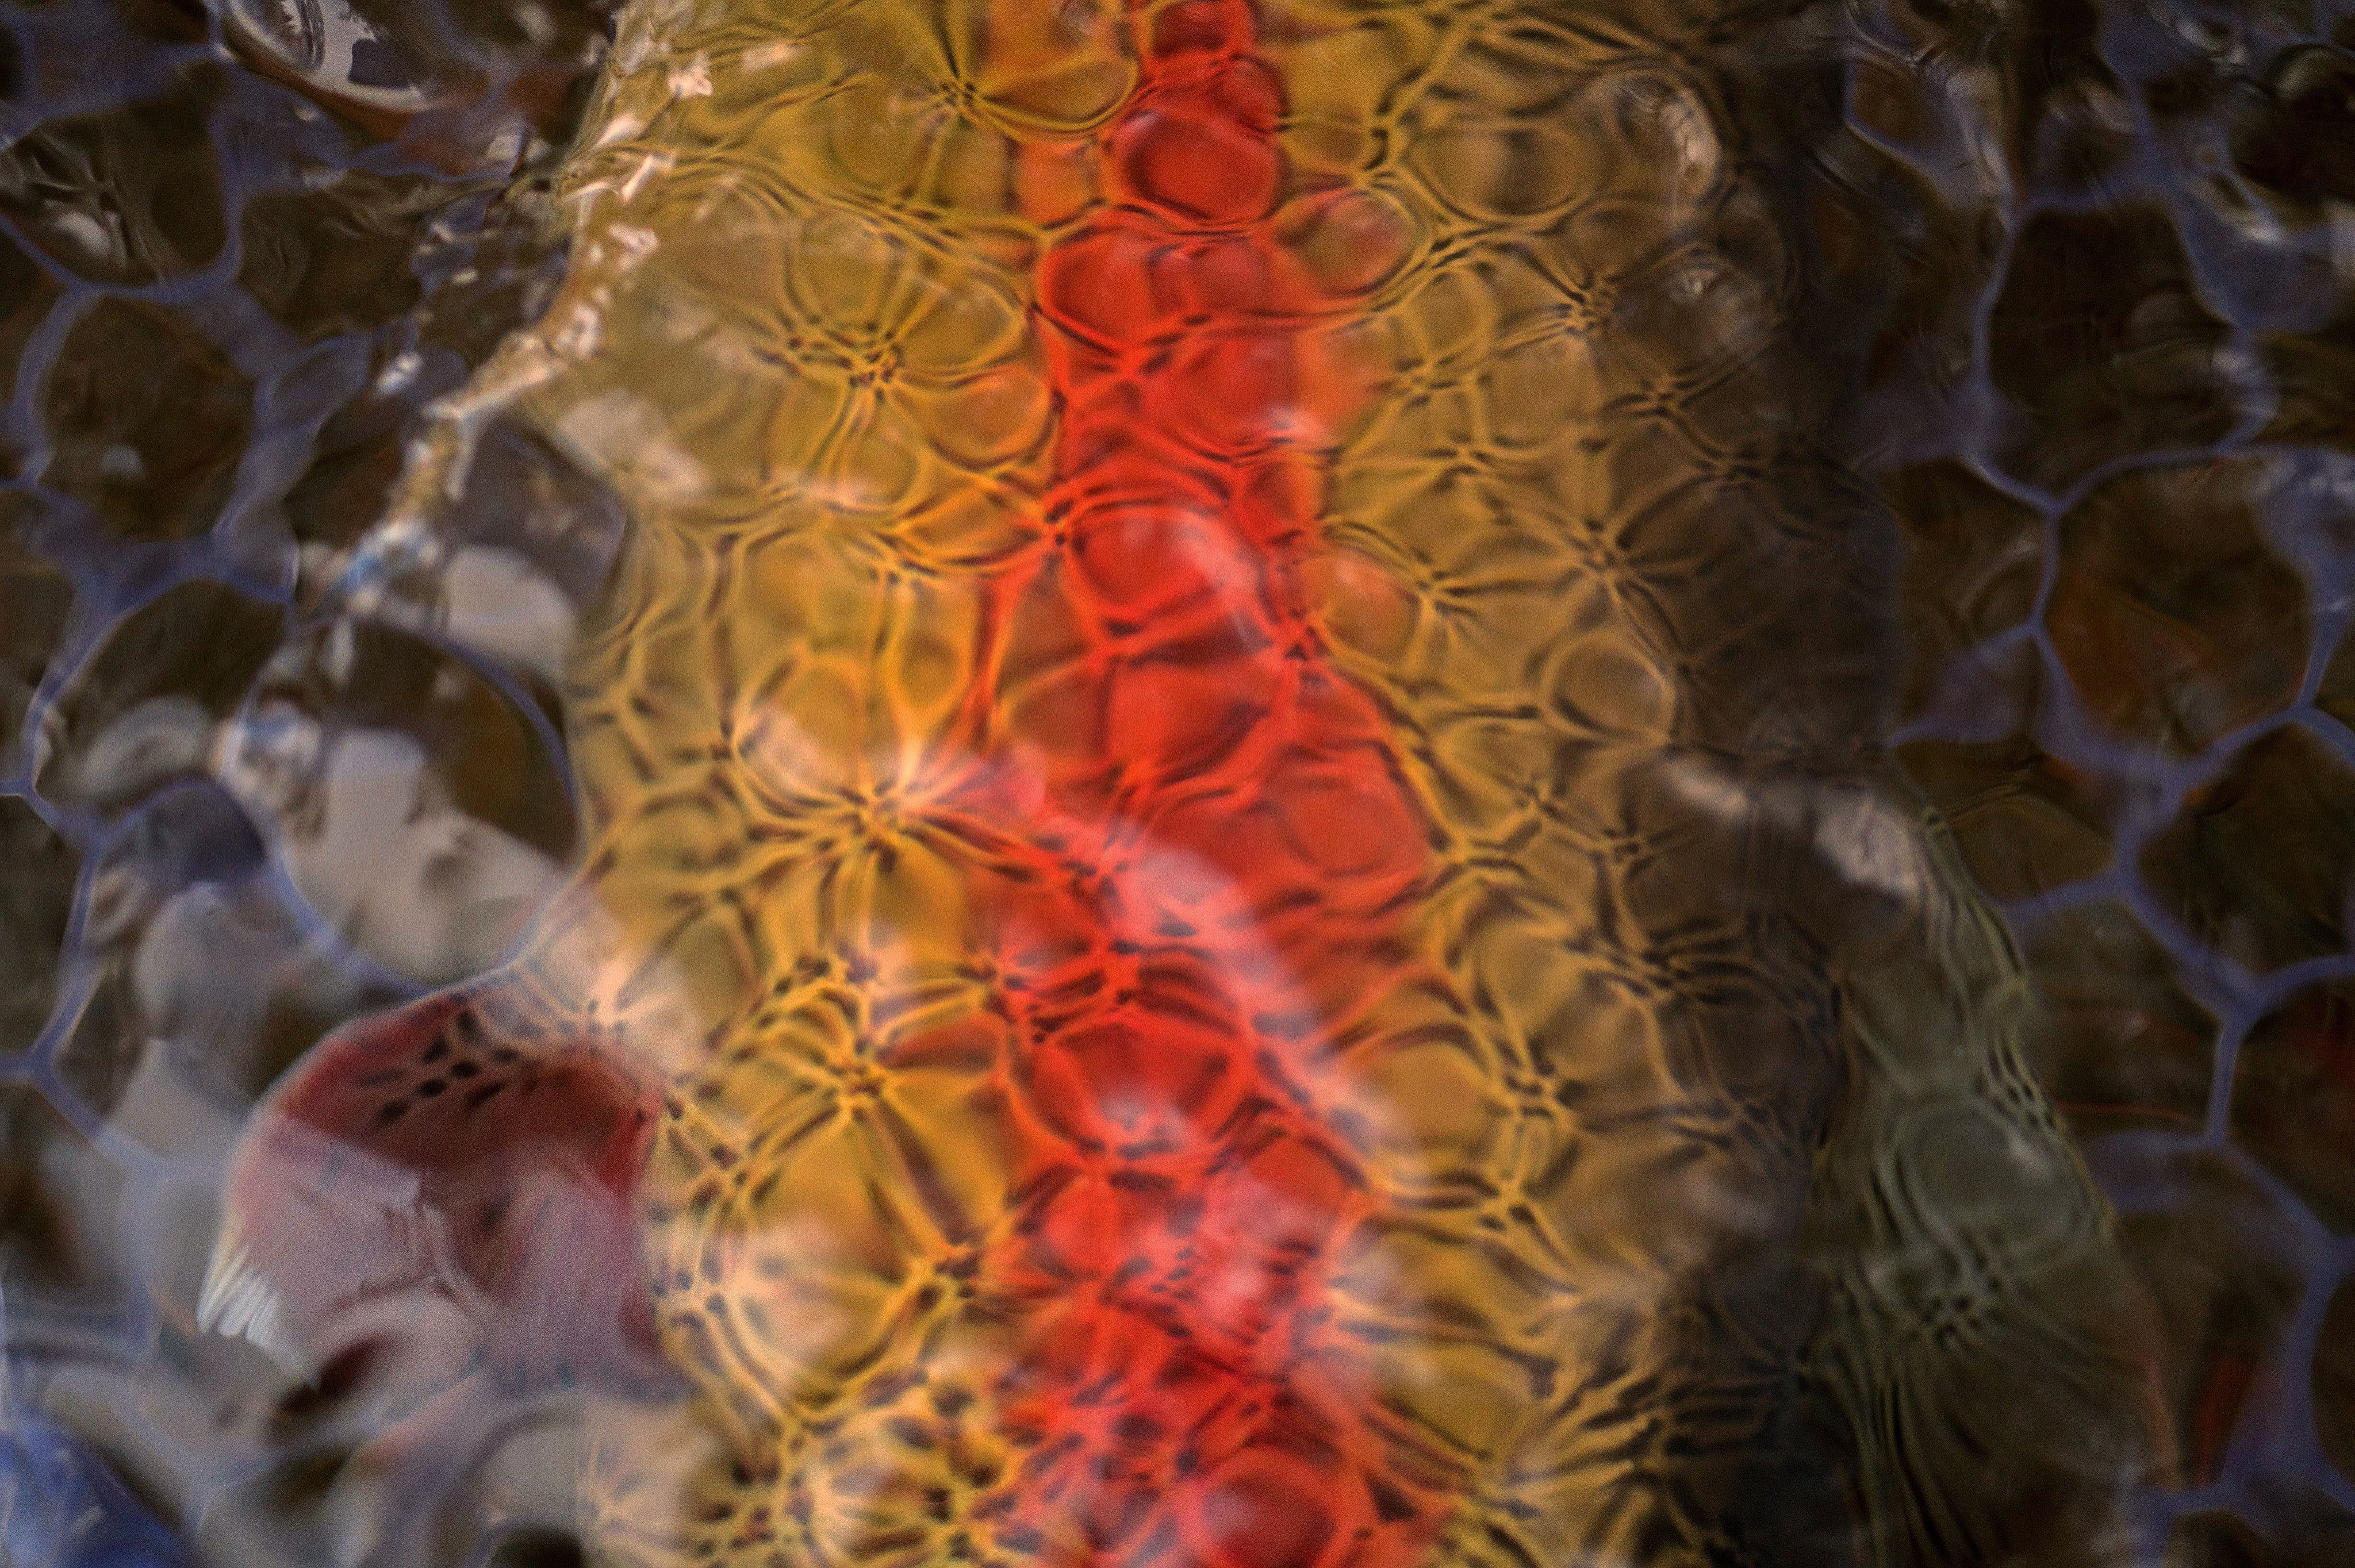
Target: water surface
(1127,784)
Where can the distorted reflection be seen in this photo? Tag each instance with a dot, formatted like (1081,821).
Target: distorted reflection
(1237,783)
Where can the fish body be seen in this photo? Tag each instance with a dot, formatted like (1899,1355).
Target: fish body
(1241,905)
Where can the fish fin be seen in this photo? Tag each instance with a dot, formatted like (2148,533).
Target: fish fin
(475,1146)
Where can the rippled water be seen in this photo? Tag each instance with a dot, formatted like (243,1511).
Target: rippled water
(1115,784)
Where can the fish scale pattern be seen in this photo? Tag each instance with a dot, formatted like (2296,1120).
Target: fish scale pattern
(1274,970)
(1232,790)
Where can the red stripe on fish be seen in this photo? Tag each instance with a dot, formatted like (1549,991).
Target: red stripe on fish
(1227,806)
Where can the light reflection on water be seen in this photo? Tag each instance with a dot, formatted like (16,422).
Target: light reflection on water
(1133,783)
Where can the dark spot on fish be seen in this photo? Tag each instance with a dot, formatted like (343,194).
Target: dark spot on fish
(430,1087)
(464,1070)
(480,1098)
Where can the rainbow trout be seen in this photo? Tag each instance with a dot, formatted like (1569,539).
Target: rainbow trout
(1240,904)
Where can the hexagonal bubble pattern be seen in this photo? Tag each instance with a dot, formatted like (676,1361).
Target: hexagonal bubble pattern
(2128,497)
(233,274)
(1143,781)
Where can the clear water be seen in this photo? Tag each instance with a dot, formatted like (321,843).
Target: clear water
(1298,784)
